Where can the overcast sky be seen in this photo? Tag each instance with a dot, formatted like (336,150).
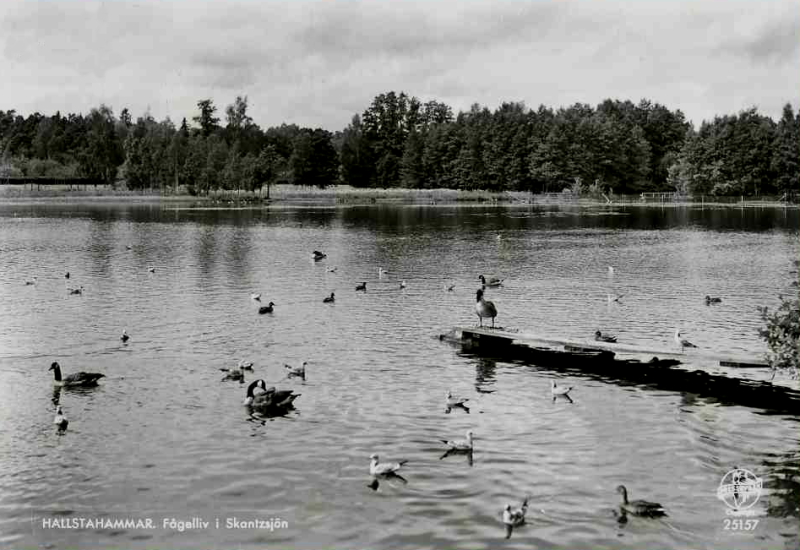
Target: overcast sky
(316,63)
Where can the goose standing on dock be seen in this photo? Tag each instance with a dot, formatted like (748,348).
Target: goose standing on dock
(600,337)
(484,308)
(492,282)
(317,255)
(60,420)
(514,518)
(361,286)
(682,342)
(76,379)
(710,300)
(266,309)
(297,371)
(329,299)
(124,336)
(640,507)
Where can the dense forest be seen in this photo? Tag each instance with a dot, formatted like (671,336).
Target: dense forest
(398,141)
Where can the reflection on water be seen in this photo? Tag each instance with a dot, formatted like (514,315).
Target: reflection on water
(163,436)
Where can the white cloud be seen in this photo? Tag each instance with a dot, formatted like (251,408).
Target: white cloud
(317,63)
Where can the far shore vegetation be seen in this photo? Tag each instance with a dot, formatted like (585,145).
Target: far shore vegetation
(402,145)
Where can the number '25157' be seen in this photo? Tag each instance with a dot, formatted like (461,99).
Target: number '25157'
(740,524)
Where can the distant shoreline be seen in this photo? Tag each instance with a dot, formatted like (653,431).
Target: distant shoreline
(346,195)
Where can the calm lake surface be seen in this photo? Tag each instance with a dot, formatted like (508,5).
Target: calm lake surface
(163,437)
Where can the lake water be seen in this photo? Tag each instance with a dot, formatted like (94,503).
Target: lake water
(163,437)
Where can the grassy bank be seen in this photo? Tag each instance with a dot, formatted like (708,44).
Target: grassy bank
(343,195)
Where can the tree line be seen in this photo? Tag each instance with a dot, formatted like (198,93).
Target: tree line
(399,141)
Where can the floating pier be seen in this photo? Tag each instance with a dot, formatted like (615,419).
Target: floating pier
(599,360)
(499,337)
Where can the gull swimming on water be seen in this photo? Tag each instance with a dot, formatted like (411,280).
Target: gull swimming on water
(682,342)
(493,281)
(452,401)
(559,391)
(256,297)
(514,517)
(600,337)
(614,297)
(297,371)
(459,444)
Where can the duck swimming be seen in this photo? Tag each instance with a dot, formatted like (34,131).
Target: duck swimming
(710,300)
(514,517)
(76,379)
(329,299)
(494,281)
(317,255)
(640,507)
(60,420)
(484,308)
(266,309)
(75,290)
(124,336)
(600,337)
(361,286)
(297,371)
(31,282)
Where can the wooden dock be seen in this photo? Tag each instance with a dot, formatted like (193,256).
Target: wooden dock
(648,367)
(501,337)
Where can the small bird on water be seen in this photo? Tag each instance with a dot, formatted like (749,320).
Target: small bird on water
(710,300)
(640,507)
(600,337)
(329,299)
(361,286)
(60,420)
(297,371)
(266,309)
(256,297)
(559,391)
(452,401)
(514,518)
(31,282)
(124,336)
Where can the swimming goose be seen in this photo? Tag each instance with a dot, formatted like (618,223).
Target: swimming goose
(710,300)
(555,390)
(361,286)
(60,420)
(31,282)
(640,507)
(319,255)
(75,379)
(124,336)
(329,299)
(484,308)
(452,401)
(75,290)
(514,518)
(266,309)
(386,469)
(459,444)
(682,343)
(614,297)
(494,281)
(297,371)
(256,297)
(270,399)
(600,337)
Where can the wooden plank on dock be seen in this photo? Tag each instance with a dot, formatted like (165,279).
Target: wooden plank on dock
(500,335)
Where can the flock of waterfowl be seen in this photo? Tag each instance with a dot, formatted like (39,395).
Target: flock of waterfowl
(269,401)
